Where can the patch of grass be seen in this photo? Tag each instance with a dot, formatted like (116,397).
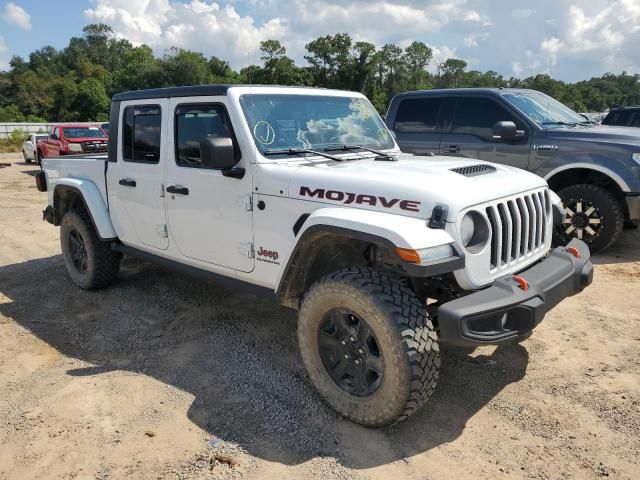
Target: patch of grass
(13,143)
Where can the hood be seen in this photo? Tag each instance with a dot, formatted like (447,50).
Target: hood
(599,133)
(412,186)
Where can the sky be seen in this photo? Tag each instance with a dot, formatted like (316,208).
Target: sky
(572,39)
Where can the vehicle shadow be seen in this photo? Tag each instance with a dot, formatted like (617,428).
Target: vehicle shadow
(237,355)
(625,250)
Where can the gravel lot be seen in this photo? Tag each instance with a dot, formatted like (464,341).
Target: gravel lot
(167,377)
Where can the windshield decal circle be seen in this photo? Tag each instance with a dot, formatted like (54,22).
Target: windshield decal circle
(264,132)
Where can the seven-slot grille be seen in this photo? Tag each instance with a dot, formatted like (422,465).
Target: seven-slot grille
(519,227)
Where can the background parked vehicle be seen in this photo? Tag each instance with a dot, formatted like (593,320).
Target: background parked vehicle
(30,147)
(593,168)
(73,139)
(623,117)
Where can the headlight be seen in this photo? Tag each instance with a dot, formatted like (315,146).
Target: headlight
(474,232)
(426,255)
(636,156)
(75,147)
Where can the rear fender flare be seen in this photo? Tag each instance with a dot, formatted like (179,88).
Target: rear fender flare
(93,202)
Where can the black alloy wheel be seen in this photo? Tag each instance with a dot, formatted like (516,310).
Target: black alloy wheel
(349,352)
(78,251)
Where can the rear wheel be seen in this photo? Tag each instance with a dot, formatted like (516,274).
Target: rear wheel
(90,262)
(592,214)
(368,345)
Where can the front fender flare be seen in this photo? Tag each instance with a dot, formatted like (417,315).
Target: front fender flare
(93,201)
(375,227)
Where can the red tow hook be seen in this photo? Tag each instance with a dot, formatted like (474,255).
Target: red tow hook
(574,251)
(522,283)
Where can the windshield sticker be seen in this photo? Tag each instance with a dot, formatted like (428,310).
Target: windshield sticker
(382,135)
(264,133)
(93,128)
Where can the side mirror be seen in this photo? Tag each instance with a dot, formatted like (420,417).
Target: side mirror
(507,132)
(217,153)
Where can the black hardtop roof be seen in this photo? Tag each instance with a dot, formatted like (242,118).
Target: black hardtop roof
(460,91)
(187,91)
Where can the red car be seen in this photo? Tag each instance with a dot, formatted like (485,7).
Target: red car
(72,139)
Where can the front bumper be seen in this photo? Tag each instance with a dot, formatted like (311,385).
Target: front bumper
(505,312)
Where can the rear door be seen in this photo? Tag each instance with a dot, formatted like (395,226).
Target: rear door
(135,180)
(416,124)
(471,132)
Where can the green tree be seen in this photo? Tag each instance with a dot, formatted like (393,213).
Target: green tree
(417,57)
(451,72)
(184,67)
(92,101)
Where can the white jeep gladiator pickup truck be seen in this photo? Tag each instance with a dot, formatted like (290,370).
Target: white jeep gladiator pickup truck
(303,194)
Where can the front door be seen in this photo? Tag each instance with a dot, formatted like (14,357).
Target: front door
(136,179)
(471,133)
(209,214)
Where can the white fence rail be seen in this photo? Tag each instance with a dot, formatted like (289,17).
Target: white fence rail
(7,127)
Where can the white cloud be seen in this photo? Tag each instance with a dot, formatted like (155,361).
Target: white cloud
(17,15)
(582,37)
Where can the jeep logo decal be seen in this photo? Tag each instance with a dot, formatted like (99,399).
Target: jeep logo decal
(348,198)
(268,256)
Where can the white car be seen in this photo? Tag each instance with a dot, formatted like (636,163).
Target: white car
(303,194)
(30,147)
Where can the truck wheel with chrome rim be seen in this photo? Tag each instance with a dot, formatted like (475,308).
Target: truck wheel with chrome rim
(368,345)
(592,214)
(90,262)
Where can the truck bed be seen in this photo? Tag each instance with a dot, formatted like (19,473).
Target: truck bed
(86,167)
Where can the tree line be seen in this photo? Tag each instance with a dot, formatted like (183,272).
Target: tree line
(76,82)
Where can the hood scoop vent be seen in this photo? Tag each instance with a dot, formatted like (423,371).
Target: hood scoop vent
(474,170)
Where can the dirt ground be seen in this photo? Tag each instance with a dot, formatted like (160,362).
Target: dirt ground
(166,377)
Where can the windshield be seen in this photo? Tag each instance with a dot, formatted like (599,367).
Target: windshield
(543,109)
(83,132)
(314,122)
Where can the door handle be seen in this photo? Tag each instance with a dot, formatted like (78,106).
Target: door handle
(127,182)
(177,189)
(452,149)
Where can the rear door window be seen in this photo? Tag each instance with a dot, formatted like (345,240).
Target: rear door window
(141,134)
(418,115)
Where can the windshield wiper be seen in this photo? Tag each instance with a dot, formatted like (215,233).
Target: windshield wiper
(300,151)
(346,148)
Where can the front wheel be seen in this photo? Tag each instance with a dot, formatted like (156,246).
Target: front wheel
(592,214)
(368,345)
(90,262)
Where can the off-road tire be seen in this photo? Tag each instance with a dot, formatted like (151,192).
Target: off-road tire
(609,207)
(407,341)
(103,264)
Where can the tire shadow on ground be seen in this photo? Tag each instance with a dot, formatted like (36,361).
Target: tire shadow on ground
(237,355)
